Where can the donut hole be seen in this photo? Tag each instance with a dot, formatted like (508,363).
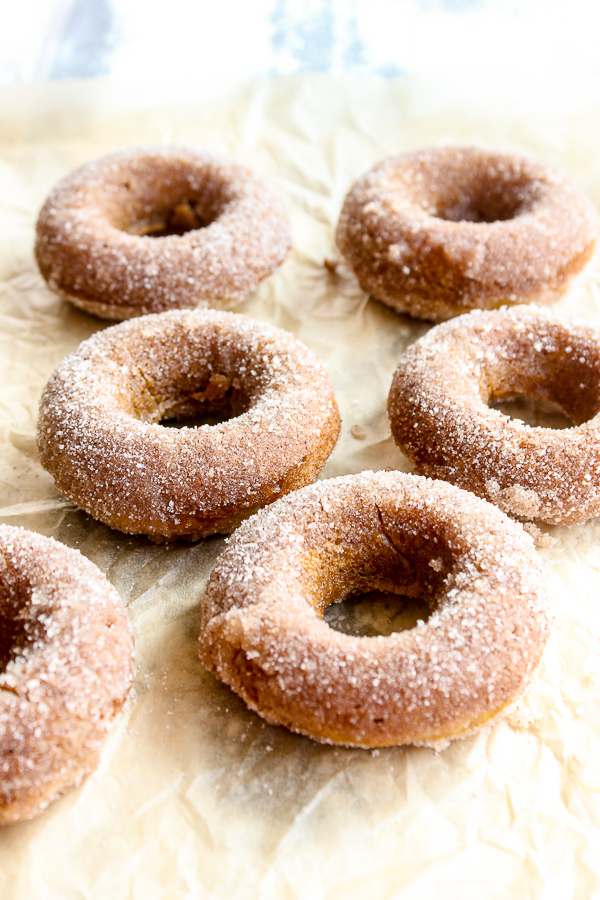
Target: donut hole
(185,216)
(12,637)
(472,187)
(376,613)
(170,202)
(395,581)
(485,202)
(552,382)
(197,419)
(219,400)
(535,411)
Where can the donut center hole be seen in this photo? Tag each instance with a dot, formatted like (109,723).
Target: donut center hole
(197,419)
(482,195)
(486,208)
(376,613)
(534,411)
(9,638)
(178,220)
(219,400)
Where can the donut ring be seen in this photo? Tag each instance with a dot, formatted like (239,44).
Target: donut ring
(437,232)
(66,667)
(100,437)
(149,229)
(440,417)
(262,618)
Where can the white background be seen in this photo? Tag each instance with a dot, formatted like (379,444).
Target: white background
(210,42)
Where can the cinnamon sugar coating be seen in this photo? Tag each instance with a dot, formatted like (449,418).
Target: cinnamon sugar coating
(440,415)
(100,433)
(263,632)
(66,666)
(442,230)
(150,229)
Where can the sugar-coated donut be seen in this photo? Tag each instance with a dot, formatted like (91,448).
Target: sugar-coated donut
(149,229)
(100,437)
(440,415)
(439,231)
(66,666)
(263,632)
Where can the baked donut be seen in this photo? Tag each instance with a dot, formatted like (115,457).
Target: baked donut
(439,231)
(149,229)
(263,632)
(100,434)
(440,415)
(66,666)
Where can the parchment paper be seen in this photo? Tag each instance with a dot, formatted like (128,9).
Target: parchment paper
(196,796)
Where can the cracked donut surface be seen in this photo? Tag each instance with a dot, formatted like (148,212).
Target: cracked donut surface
(101,438)
(149,229)
(440,414)
(442,230)
(66,666)
(263,632)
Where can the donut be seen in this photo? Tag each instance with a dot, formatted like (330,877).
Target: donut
(101,437)
(66,667)
(440,415)
(149,229)
(440,231)
(263,632)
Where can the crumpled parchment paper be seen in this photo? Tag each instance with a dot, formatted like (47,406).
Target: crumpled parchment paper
(196,796)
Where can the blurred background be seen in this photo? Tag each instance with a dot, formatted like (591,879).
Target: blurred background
(211,43)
